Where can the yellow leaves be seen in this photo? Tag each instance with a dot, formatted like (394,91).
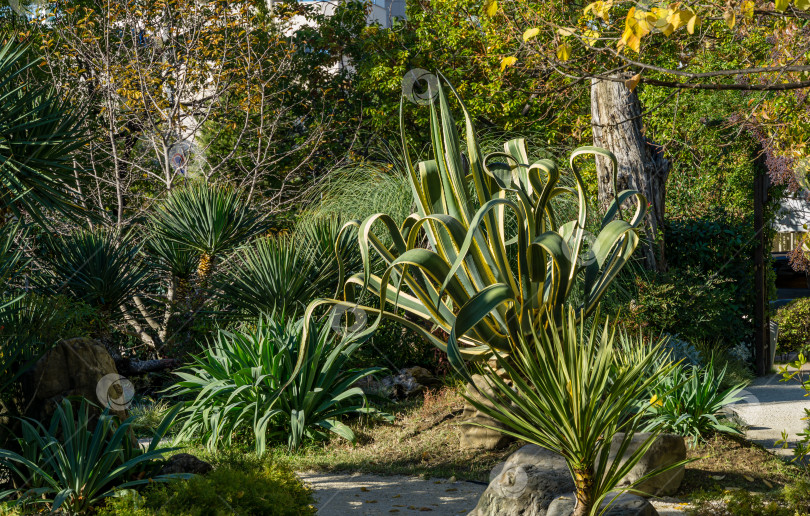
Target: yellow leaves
(781,5)
(804,5)
(632,82)
(694,22)
(630,40)
(564,31)
(491,7)
(748,9)
(507,62)
(600,9)
(531,33)
(590,37)
(655,401)
(564,52)
(730,18)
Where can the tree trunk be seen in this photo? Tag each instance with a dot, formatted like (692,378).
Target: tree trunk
(617,127)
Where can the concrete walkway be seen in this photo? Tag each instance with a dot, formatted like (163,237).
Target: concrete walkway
(354,493)
(771,406)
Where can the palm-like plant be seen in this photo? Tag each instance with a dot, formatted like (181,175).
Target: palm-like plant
(485,286)
(39,135)
(271,274)
(72,464)
(98,267)
(208,219)
(269,382)
(563,393)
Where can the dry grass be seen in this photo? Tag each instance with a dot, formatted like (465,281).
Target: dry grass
(422,440)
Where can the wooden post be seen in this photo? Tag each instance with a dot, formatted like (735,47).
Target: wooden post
(762,331)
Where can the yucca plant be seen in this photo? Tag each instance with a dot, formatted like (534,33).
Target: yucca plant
(487,287)
(688,400)
(327,247)
(207,218)
(99,267)
(39,134)
(75,462)
(273,273)
(267,382)
(560,390)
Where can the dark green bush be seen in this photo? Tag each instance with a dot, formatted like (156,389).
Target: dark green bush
(690,304)
(268,490)
(794,326)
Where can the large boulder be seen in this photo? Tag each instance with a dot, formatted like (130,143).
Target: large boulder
(474,436)
(77,367)
(667,449)
(617,504)
(536,482)
(526,484)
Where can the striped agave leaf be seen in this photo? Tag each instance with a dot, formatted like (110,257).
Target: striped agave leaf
(453,263)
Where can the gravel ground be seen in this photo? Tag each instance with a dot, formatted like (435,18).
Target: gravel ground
(338,494)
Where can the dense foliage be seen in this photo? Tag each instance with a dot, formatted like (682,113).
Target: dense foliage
(794,326)
(73,465)
(271,489)
(268,381)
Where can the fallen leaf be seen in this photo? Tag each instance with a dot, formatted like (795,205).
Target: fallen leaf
(750,479)
(770,486)
(718,477)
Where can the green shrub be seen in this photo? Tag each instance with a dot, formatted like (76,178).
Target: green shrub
(73,464)
(690,304)
(255,381)
(270,489)
(687,399)
(794,326)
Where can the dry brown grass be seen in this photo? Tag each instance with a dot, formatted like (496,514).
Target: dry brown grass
(422,440)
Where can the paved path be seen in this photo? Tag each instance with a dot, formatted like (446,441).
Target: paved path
(771,406)
(354,493)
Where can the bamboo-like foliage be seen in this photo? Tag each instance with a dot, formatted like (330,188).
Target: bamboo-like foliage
(456,263)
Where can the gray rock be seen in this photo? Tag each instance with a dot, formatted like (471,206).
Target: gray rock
(534,481)
(666,450)
(407,382)
(526,484)
(626,504)
(474,436)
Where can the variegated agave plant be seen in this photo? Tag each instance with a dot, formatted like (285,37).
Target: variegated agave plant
(467,280)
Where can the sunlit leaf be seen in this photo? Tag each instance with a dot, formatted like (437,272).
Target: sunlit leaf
(730,18)
(693,23)
(564,52)
(632,82)
(748,9)
(804,5)
(491,7)
(508,61)
(781,5)
(531,33)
